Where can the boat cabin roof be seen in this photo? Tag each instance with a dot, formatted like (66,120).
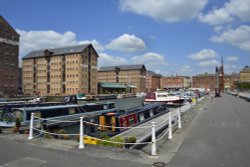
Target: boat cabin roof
(36,108)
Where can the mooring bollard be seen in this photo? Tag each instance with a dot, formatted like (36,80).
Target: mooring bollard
(170,126)
(179,118)
(31,126)
(153,140)
(81,144)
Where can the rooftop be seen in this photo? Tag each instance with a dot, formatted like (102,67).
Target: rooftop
(246,68)
(57,51)
(204,75)
(152,73)
(123,67)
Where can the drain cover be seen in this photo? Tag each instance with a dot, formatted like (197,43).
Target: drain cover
(159,164)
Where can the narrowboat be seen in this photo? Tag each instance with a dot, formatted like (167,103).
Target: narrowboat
(55,112)
(131,117)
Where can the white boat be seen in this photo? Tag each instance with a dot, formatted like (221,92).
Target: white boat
(167,97)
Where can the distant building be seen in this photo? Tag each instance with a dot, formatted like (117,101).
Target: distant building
(133,76)
(9,45)
(175,82)
(60,71)
(206,81)
(153,81)
(231,81)
(244,83)
(245,74)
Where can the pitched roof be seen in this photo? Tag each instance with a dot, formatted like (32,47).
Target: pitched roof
(152,73)
(11,28)
(204,75)
(123,67)
(57,51)
(246,68)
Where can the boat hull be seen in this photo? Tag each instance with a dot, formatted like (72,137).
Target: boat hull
(169,102)
(7,125)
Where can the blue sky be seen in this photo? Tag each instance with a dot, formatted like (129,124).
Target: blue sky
(184,37)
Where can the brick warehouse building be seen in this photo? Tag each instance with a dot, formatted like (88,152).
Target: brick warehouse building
(9,45)
(175,82)
(207,81)
(153,81)
(129,75)
(60,71)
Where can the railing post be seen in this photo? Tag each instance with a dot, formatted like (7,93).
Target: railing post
(153,140)
(170,126)
(31,126)
(179,118)
(81,144)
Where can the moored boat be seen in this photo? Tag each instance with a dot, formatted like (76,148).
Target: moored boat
(167,97)
(58,112)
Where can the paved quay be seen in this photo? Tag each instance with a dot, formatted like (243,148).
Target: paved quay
(214,133)
(219,136)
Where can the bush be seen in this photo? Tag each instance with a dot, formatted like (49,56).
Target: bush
(116,139)
(103,135)
(64,136)
(130,139)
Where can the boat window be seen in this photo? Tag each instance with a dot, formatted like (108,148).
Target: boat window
(15,114)
(141,116)
(105,107)
(151,112)
(131,120)
(72,111)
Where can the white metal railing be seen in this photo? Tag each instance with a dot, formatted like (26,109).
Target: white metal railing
(153,126)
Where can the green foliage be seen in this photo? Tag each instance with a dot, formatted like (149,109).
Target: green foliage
(103,135)
(130,139)
(116,139)
(245,86)
(64,136)
(48,136)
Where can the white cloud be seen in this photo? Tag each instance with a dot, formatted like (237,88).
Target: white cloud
(203,54)
(127,43)
(35,40)
(209,63)
(239,37)
(149,59)
(108,60)
(185,70)
(98,47)
(231,68)
(218,29)
(230,10)
(232,59)
(166,10)
(216,17)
